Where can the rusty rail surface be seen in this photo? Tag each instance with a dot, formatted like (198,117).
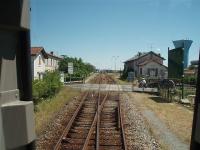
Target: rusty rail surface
(121,120)
(109,126)
(122,126)
(76,134)
(96,124)
(99,108)
(66,130)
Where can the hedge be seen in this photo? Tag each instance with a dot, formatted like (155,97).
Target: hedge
(47,87)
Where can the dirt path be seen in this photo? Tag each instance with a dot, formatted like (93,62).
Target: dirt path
(161,130)
(164,134)
(87,80)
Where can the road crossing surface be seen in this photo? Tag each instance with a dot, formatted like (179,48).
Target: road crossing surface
(112,87)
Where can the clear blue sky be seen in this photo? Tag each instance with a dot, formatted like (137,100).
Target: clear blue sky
(97,30)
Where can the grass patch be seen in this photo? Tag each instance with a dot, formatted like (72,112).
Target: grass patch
(46,109)
(177,118)
(116,77)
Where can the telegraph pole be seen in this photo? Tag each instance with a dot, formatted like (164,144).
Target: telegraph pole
(115,59)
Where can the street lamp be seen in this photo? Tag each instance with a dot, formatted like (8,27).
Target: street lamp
(115,59)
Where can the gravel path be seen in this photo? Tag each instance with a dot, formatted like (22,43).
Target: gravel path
(87,80)
(137,131)
(164,133)
(167,139)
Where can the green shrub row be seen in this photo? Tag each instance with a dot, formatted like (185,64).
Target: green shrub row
(47,87)
(80,68)
(190,80)
(67,79)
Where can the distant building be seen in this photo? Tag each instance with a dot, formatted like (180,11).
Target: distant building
(147,64)
(194,63)
(192,70)
(52,61)
(42,61)
(185,44)
(38,56)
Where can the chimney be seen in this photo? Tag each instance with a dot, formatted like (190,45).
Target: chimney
(51,52)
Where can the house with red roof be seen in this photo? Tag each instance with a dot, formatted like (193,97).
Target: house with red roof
(42,61)
(147,64)
(38,56)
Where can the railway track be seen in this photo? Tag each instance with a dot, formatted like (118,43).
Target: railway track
(97,124)
(109,127)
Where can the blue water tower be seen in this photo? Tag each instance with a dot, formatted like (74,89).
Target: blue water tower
(185,44)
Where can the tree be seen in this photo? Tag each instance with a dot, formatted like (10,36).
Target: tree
(81,69)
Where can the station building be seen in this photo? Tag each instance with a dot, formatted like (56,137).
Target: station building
(147,64)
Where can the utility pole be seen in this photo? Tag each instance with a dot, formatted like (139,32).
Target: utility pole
(115,59)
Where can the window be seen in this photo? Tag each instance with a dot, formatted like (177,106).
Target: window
(39,76)
(156,72)
(39,60)
(140,71)
(152,72)
(46,62)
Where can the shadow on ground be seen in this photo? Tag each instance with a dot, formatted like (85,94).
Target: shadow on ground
(158,99)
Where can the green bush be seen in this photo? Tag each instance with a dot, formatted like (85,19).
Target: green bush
(190,80)
(80,68)
(47,87)
(67,79)
(125,73)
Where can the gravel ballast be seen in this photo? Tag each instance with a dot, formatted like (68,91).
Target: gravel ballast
(137,131)
(48,138)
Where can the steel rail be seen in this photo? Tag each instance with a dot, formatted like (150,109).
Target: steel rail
(66,130)
(121,121)
(98,121)
(95,121)
(92,126)
(97,126)
(100,107)
(89,133)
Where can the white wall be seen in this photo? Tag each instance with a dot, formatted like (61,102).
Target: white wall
(154,65)
(38,68)
(51,64)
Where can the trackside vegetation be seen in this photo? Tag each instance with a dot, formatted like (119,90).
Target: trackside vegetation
(47,87)
(50,85)
(47,109)
(81,69)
